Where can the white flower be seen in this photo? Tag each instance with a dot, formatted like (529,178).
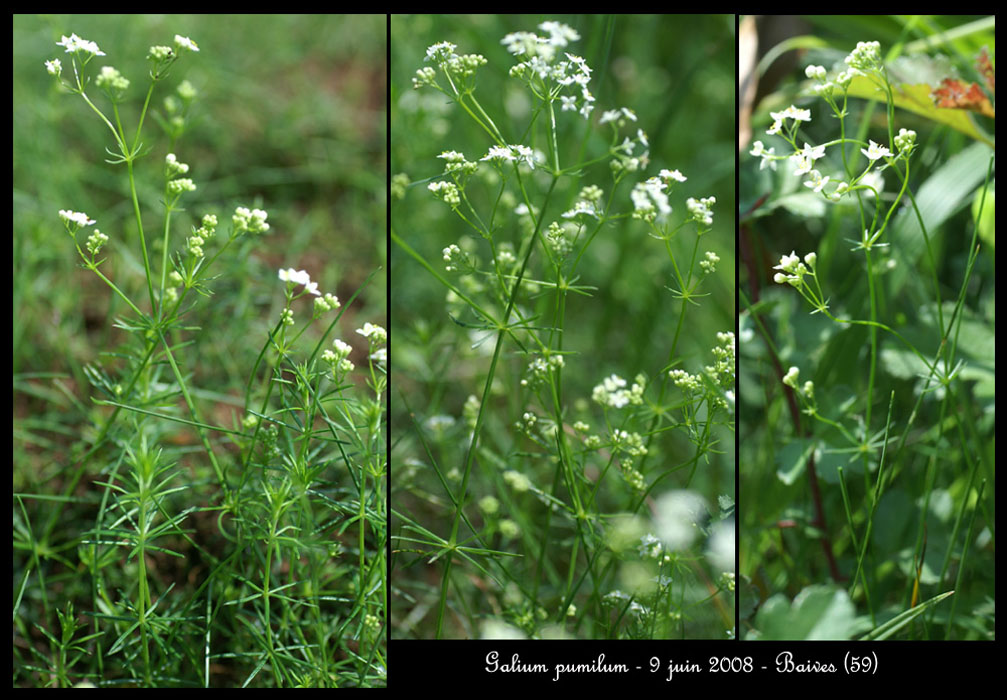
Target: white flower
(75,217)
(790,379)
(803,164)
(185,42)
(720,547)
(559,34)
(792,112)
(376,334)
(812,153)
(676,516)
(55,67)
(759,150)
(788,263)
(817,182)
(295,276)
(876,151)
(676,175)
(817,72)
(74,43)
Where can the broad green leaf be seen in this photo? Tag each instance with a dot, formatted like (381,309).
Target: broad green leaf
(943,194)
(792,458)
(818,612)
(806,204)
(988,221)
(915,97)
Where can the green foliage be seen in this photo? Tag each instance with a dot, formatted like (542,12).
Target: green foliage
(192,475)
(533,496)
(867,467)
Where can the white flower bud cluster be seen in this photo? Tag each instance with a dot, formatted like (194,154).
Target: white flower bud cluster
(709,265)
(540,368)
(446,192)
(338,358)
(866,57)
(630,443)
(253,221)
(173,166)
(905,141)
(180,185)
(455,163)
(95,241)
(793,270)
(375,334)
(327,302)
(557,240)
(112,82)
(612,392)
(458,68)
(649,200)
(700,210)
(685,381)
(517,481)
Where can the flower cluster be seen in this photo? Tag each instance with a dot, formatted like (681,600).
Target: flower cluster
(587,203)
(112,82)
(207,228)
(75,44)
(338,358)
(557,239)
(95,241)
(792,270)
(630,443)
(709,265)
(791,379)
(700,209)
(455,163)
(375,334)
(866,57)
(546,72)
(75,219)
(612,392)
(540,368)
(686,382)
(511,154)
(722,370)
(458,69)
(253,221)
(791,112)
(294,277)
(173,167)
(446,192)
(650,202)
